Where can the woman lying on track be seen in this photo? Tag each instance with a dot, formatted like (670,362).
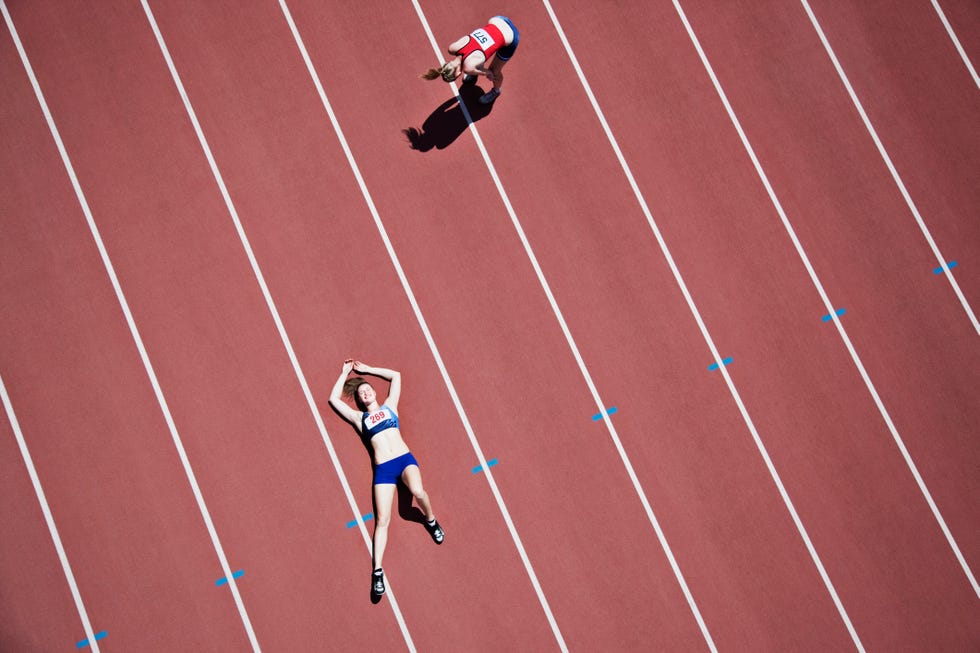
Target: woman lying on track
(472,52)
(378,423)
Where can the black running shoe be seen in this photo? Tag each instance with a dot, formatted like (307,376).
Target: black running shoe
(435,530)
(378,582)
(489,96)
(469,80)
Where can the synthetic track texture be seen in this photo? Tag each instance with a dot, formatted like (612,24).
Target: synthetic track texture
(486,363)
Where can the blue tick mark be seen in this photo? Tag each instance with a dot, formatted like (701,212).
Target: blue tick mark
(84,642)
(838,313)
(368,517)
(479,468)
(222,581)
(609,411)
(950,265)
(714,366)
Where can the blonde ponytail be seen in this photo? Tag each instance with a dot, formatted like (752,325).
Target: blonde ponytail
(447,71)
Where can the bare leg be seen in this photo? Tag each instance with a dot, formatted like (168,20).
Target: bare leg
(412,478)
(383,497)
(497,67)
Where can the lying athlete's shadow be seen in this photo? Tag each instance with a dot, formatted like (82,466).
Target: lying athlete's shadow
(447,122)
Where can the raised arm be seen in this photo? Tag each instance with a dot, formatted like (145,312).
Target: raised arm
(336,398)
(394,392)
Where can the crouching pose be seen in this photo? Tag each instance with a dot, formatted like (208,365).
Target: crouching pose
(497,39)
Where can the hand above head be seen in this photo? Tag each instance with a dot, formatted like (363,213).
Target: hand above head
(348,365)
(361,367)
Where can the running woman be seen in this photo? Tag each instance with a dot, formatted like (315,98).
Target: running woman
(472,52)
(378,423)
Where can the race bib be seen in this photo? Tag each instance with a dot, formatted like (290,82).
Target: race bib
(374,419)
(483,38)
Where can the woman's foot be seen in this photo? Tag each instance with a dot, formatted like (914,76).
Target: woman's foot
(435,530)
(378,582)
(490,96)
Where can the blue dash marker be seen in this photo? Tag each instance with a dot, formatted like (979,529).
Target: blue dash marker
(84,642)
(950,265)
(714,366)
(479,468)
(368,517)
(222,581)
(838,313)
(609,411)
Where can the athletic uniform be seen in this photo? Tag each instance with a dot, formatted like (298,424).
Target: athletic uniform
(490,40)
(389,471)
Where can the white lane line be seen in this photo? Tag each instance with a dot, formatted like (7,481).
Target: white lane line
(144,356)
(512,529)
(260,278)
(894,172)
(36,481)
(813,275)
(956,42)
(828,305)
(704,329)
(575,350)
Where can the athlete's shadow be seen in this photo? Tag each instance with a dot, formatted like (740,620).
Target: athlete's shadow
(447,122)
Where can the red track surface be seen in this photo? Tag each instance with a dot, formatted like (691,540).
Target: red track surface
(132,531)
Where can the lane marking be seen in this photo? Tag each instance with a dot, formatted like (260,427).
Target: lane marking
(260,278)
(423,325)
(784,494)
(948,266)
(895,176)
(85,642)
(224,580)
(364,518)
(137,339)
(614,436)
(608,411)
(827,318)
(956,42)
(725,361)
(484,467)
(36,480)
(854,356)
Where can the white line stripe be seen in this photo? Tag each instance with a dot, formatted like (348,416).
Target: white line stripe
(704,329)
(36,481)
(144,356)
(891,168)
(828,305)
(847,341)
(956,42)
(300,376)
(425,329)
(575,351)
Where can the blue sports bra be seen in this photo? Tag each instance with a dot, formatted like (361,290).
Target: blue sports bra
(376,422)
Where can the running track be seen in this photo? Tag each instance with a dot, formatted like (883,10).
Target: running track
(660,187)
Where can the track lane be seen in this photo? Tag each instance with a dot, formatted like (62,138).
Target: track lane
(926,389)
(308,224)
(491,327)
(228,381)
(964,18)
(36,602)
(926,109)
(776,311)
(138,550)
(680,425)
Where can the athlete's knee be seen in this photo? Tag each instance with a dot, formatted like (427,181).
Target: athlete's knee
(382,521)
